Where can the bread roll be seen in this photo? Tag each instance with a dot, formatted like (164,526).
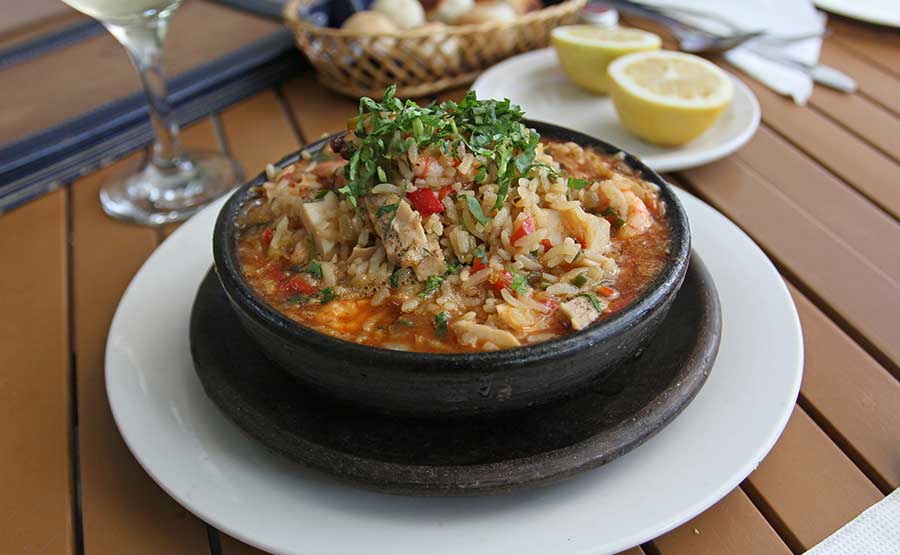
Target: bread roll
(449,11)
(369,22)
(524,6)
(406,14)
(484,12)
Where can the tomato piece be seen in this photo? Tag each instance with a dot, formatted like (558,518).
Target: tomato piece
(267,237)
(501,280)
(299,285)
(425,202)
(525,228)
(477,264)
(276,274)
(547,244)
(606,291)
(444,191)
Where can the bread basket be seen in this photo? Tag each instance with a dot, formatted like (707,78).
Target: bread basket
(421,61)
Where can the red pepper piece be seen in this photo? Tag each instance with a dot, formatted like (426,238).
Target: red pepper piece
(547,244)
(477,264)
(501,280)
(526,227)
(299,285)
(425,202)
(444,191)
(267,237)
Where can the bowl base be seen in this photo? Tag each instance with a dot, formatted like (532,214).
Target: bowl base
(461,455)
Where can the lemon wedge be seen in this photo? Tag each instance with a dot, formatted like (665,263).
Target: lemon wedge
(585,51)
(668,98)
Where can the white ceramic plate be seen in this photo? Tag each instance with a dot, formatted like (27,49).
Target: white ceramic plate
(882,12)
(535,81)
(227,479)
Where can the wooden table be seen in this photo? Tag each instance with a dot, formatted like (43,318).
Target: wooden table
(817,188)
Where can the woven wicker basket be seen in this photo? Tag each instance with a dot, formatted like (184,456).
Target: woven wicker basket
(420,61)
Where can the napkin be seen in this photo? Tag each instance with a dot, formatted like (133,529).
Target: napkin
(876,530)
(777,17)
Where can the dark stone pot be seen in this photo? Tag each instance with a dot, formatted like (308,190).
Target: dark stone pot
(426,384)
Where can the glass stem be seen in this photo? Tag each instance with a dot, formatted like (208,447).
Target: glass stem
(144,43)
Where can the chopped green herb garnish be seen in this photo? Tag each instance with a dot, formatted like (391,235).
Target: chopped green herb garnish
(476,211)
(314,268)
(312,246)
(321,194)
(381,175)
(431,285)
(320,156)
(490,129)
(440,324)
(404,322)
(328,295)
(386,209)
(578,184)
(452,267)
(616,222)
(298,299)
(519,284)
(595,302)
(480,255)
(579,280)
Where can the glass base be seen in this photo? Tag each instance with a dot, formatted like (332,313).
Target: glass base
(151,196)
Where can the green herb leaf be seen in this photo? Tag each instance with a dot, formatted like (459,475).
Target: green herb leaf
(519,284)
(321,194)
(475,210)
(480,255)
(311,245)
(578,184)
(595,302)
(579,280)
(328,295)
(386,209)
(440,324)
(610,214)
(298,299)
(314,268)
(452,267)
(381,175)
(431,285)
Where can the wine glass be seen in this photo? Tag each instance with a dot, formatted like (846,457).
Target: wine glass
(172,183)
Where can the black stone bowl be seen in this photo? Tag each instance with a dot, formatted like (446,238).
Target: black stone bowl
(427,384)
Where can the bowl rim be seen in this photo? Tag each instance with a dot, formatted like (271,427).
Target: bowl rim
(229,272)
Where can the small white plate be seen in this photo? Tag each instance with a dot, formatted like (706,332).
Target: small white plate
(229,480)
(882,12)
(535,81)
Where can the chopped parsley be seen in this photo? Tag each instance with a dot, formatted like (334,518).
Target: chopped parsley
(398,275)
(298,299)
(595,302)
(519,284)
(452,267)
(328,295)
(612,215)
(579,280)
(480,255)
(314,268)
(386,209)
(440,324)
(321,194)
(476,211)
(491,129)
(578,184)
(431,285)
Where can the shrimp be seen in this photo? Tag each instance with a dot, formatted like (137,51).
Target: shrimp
(639,219)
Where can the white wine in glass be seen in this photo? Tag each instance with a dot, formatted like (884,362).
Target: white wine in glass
(173,183)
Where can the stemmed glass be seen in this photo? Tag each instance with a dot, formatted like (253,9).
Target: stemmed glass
(172,183)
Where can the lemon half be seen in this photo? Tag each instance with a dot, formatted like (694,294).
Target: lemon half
(585,51)
(668,98)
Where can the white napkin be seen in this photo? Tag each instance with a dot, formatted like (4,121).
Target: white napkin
(876,530)
(778,17)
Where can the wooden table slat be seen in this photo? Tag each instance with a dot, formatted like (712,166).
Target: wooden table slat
(317,110)
(35,385)
(878,45)
(866,297)
(873,82)
(859,164)
(123,510)
(862,225)
(809,486)
(733,525)
(258,132)
(852,394)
